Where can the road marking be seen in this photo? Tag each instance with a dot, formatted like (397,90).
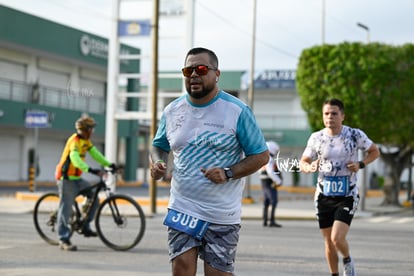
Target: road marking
(379,219)
(404,220)
(389,219)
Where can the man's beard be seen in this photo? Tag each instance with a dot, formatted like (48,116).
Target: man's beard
(200,94)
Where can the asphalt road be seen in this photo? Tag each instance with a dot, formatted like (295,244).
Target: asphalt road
(381,246)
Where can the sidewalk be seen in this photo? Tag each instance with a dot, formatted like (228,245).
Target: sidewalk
(294,203)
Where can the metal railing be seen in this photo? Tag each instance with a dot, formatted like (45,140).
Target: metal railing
(282,121)
(50,96)
(67,99)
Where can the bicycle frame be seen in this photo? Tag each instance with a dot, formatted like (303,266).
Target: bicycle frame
(100,186)
(79,222)
(119,219)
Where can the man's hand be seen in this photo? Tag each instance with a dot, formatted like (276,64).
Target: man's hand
(113,167)
(94,171)
(158,169)
(215,175)
(275,185)
(353,166)
(311,167)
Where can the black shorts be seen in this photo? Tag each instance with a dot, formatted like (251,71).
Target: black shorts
(331,208)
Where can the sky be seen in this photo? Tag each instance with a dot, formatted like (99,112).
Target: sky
(283,28)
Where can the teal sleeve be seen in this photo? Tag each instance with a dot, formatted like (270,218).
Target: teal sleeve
(99,157)
(160,140)
(249,133)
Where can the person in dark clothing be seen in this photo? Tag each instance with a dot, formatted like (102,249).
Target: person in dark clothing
(271,178)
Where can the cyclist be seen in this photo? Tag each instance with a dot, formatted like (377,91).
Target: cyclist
(68,175)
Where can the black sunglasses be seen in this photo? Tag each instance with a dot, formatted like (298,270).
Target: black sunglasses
(201,70)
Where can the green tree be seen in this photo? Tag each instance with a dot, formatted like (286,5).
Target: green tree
(376,82)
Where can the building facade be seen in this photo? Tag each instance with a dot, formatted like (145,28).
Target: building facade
(48,67)
(55,69)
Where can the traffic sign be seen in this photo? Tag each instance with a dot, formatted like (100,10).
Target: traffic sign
(134,28)
(36,119)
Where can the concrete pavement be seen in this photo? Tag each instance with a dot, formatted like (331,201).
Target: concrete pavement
(295,203)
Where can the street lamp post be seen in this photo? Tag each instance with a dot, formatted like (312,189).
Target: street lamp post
(364,173)
(323,21)
(250,92)
(365,28)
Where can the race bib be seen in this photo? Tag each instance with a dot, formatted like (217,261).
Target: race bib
(185,223)
(335,185)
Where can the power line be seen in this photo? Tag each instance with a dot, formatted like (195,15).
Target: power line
(267,44)
(88,11)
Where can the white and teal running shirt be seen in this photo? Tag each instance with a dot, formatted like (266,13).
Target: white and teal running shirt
(218,134)
(335,152)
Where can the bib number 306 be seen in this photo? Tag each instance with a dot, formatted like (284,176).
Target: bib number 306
(185,223)
(336,185)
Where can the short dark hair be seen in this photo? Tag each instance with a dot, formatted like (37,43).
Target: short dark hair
(335,102)
(200,50)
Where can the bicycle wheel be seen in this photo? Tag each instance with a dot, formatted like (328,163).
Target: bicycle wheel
(45,217)
(120,222)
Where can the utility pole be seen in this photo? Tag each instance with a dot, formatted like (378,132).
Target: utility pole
(111,125)
(154,82)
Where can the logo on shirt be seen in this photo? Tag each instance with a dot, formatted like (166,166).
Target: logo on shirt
(206,141)
(214,125)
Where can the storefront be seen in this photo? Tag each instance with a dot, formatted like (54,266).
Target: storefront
(56,69)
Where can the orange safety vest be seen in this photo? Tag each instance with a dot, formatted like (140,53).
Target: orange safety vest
(65,167)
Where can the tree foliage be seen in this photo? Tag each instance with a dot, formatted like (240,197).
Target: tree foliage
(375,81)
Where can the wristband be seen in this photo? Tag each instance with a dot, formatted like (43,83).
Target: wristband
(361,164)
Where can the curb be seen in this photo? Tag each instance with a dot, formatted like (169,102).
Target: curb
(305,190)
(163,202)
(22,203)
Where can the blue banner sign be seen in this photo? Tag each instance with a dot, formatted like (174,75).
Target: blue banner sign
(271,79)
(36,118)
(134,28)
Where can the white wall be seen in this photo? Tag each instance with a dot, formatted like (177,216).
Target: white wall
(10,146)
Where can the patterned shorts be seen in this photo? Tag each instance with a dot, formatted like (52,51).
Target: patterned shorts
(217,248)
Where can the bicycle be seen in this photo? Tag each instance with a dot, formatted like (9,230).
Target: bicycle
(119,219)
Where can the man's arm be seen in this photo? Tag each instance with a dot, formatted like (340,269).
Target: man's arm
(158,154)
(77,161)
(372,153)
(158,160)
(99,157)
(245,167)
(270,170)
(250,164)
